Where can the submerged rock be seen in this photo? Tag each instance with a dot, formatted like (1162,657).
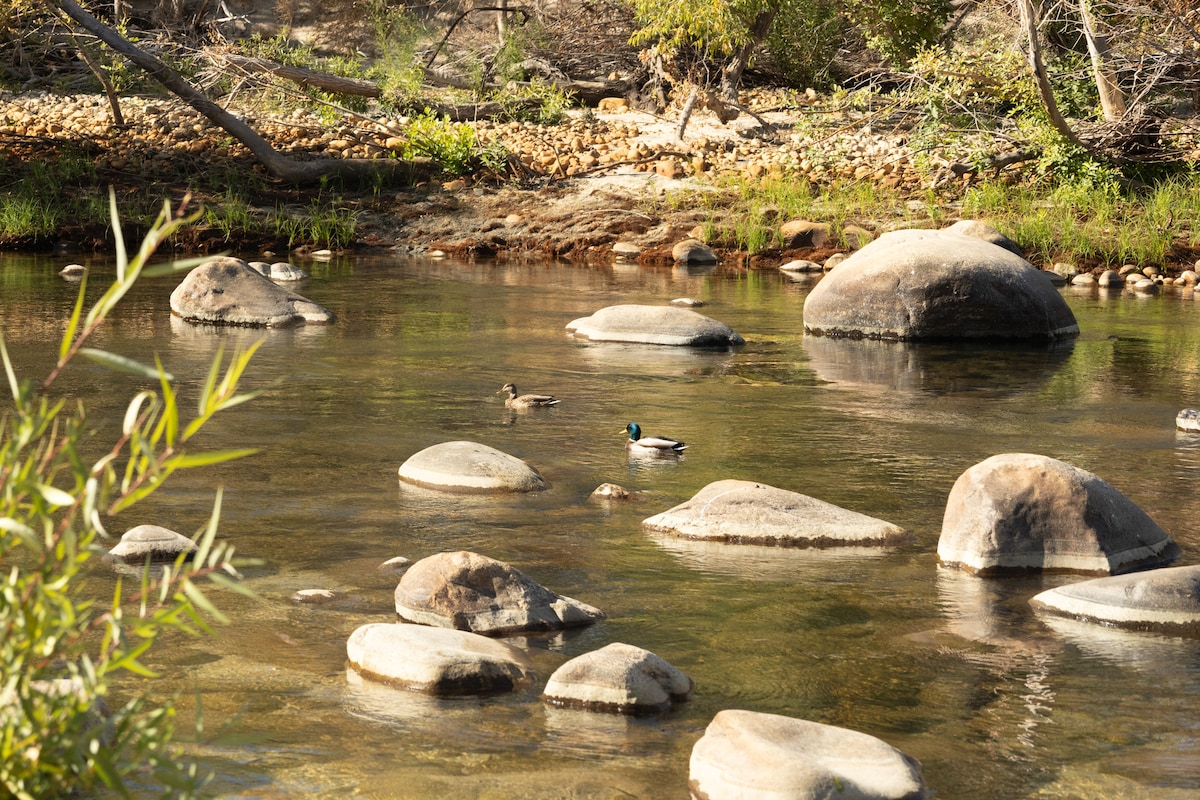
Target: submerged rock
(618,678)
(472,592)
(1023,512)
(228,291)
(436,660)
(151,541)
(470,466)
(746,755)
(1165,600)
(745,512)
(921,284)
(667,325)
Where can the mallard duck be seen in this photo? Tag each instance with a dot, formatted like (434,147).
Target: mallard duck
(650,444)
(525,400)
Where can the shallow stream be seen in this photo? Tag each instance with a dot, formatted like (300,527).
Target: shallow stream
(994,701)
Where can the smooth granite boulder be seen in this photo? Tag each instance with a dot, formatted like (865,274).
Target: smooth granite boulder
(937,285)
(618,678)
(746,512)
(981,230)
(280,271)
(228,291)
(470,467)
(472,592)
(151,541)
(668,325)
(1164,600)
(1020,512)
(746,755)
(436,660)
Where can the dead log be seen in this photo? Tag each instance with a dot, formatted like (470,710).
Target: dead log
(305,77)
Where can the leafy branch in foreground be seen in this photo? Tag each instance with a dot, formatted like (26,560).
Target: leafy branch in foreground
(59,647)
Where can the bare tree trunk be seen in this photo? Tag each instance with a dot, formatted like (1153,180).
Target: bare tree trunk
(279,165)
(1029,23)
(1112,99)
(686,113)
(731,75)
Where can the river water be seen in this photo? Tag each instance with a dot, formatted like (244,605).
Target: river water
(956,671)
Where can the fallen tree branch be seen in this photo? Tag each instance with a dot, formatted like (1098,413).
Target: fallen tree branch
(284,168)
(304,77)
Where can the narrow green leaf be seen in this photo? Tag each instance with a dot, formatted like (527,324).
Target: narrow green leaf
(73,322)
(115,220)
(13,386)
(203,603)
(170,407)
(190,460)
(55,496)
(210,381)
(121,363)
(171,267)
(134,410)
(231,583)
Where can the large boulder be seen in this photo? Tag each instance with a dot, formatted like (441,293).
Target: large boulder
(472,592)
(618,678)
(745,512)
(746,755)
(228,291)
(153,542)
(667,325)
(923,284)
(1022,512)
(470,467)
(436,660)
(1164,600)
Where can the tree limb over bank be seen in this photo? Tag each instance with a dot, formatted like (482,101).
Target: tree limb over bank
(286,169)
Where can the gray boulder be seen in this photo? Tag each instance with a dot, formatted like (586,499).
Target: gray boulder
(1163,600)
(922,284)
(668,325)
(746,755)
(1188,420)
(981,230)
(1022,512)
(151,541)
(745,512)
(619,678)
(693,251)
(472,592)
(470,467)
(436,660)
(228,291)
(279,271)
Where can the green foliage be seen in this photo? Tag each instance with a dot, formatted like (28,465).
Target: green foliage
(805,40)
(897,29)
(397,69)
(537,101)
(451,144)
(324,224)
(62,647)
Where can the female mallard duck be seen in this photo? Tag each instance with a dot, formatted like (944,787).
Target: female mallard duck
(526,400)
(650,444)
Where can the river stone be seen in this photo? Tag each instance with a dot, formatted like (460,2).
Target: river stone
(153,541)
(472,592)
(921,284)
(801,265)
(981,230)
(1023,512)
(693,251)
(436,660)
(1111,278)
(798,233)
(747,755)
(667,325)
(618,678)
(1164,600)
(470,467)
(1188,420)
(228,291)
(279,271)
(745,512)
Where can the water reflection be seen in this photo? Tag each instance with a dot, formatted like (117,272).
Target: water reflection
(985,370)
(759,563)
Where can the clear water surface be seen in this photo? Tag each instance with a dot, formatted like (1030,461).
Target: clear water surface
(994,701)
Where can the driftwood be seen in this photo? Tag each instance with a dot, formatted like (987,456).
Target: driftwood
(304,77)
(281,166)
